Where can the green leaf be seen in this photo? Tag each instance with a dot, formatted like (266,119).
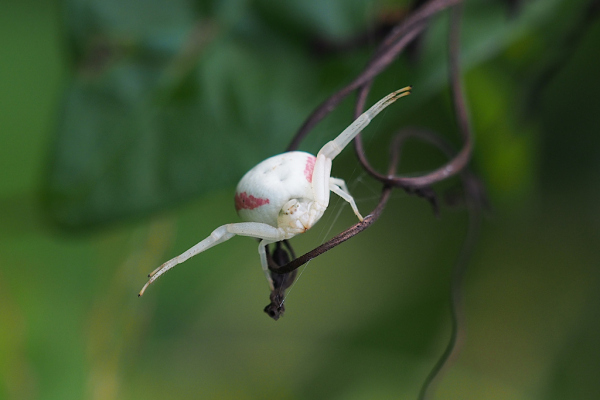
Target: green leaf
(150,119)
(168,101)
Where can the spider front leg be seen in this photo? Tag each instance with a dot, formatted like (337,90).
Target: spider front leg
(334,147)
(267,233)
(338,186)
(322,183)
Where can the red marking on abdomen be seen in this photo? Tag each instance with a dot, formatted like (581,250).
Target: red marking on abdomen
(309,168)
(245,202)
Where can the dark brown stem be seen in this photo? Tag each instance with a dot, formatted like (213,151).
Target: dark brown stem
(454,166)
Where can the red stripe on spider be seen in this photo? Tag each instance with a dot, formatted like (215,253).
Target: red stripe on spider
(310,166)
(245,202)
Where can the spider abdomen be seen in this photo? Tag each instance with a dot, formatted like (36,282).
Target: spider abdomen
(266,188)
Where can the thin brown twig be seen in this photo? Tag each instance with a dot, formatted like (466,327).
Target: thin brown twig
(454,166)
(390,48)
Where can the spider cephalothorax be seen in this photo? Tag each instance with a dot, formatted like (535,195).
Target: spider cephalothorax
(285,194)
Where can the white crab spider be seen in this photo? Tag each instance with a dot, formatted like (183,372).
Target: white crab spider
(285,195)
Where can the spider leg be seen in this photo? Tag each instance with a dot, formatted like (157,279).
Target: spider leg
(334,147)
(263,260)
(320,180)
(338,186)
(268,233)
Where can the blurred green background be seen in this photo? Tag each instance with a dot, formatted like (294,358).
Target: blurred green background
(124,126)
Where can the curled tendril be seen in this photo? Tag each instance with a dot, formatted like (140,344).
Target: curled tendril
(391,47)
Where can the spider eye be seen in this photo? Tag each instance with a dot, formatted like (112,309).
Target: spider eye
(290,207)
